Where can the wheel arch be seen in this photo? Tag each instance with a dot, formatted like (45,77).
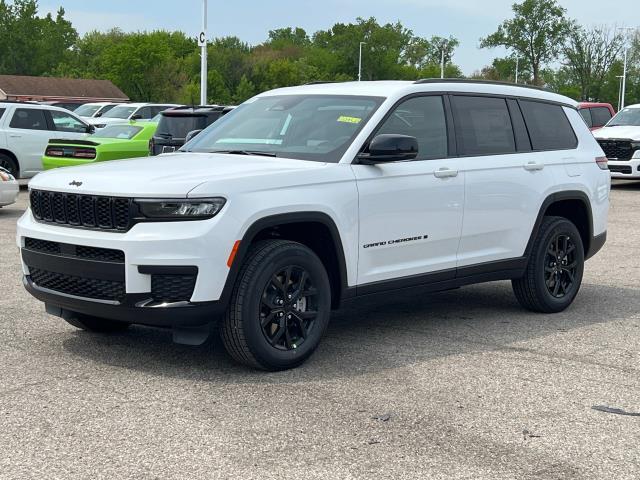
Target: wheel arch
(575,206)
(320,234)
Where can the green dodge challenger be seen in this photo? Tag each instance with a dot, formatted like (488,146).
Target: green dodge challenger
(114,142)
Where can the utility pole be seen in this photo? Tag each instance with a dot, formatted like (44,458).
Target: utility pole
(517,65)
(202,42)
(360,62)
(624,70)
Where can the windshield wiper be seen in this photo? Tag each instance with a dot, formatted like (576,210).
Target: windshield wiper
(245,152)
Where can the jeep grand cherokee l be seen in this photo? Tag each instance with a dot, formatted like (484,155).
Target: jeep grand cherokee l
(306,197)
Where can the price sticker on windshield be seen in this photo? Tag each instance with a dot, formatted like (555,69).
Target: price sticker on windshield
(345,119)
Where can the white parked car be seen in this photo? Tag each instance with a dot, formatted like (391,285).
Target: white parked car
(9,188)
(94,110)
(620,140)
(306,197)
(25,131)
(129,111)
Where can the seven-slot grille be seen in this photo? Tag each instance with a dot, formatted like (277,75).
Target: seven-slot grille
(617,149)
(88,211)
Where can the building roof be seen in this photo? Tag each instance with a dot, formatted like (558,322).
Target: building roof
(52,87)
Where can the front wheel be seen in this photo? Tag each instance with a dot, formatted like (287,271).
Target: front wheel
(554,273)
(280,306)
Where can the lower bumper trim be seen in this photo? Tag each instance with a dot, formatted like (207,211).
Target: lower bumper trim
(182,314)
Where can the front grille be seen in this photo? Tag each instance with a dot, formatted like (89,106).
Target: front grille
(617,149)
(172,288)
(620,168)
(89,211)
(78,286)
(77,251)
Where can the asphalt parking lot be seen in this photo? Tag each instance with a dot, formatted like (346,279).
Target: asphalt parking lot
(463,384)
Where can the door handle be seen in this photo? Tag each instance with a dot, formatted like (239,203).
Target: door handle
(533,166)
(445,173)
(15,136)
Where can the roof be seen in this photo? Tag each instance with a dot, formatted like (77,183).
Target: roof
(52,87)
(593,104)
(396,89)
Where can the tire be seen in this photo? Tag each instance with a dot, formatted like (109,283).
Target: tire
(270,323)
(549,285)
(95,324)
(10,164)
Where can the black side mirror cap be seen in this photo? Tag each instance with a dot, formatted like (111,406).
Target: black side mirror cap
(390,148)
(91,129)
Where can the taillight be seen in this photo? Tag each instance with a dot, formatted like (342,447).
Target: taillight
(603,163)
(151,146)
(84,153)
(54,152)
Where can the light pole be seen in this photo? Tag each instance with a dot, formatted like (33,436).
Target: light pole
(517,65)
(202,41)
(624,69)
(360,61)
(619,77)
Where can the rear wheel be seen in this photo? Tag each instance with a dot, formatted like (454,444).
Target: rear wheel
(554,273)
(95,324)
(9,164)
(280,306)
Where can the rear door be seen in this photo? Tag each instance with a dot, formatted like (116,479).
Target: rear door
(27,137)
(411,212)
(505,180)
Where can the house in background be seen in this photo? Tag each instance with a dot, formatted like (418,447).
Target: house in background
(59,91)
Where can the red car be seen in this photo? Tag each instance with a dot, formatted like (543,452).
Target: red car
(596,115)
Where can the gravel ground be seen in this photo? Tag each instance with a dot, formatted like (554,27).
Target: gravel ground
(458,385)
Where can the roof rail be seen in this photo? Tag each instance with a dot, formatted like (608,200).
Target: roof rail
(30,102)
(482,82)
(320,82)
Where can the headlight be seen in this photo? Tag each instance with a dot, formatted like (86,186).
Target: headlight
(194,209)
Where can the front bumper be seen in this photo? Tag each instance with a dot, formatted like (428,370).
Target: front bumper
(629,169)
(149,248)
(9,192)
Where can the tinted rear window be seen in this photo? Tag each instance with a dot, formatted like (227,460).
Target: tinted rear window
(586,114)
(549,128)
(600,115)
(28,119)
(179,126)
(483,125)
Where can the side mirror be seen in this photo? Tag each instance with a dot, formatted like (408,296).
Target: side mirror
(98,115)
(91,129)
(137,116)
(390,148)
(191,134)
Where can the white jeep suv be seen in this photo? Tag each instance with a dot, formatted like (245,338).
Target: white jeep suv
(25,131)
(303,198)
(620,140)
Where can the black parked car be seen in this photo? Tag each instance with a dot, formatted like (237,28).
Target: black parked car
(176,123)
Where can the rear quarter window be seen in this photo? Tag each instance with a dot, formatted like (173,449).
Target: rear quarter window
(2,112)
(548,125)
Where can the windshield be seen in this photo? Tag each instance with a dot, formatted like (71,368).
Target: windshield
(306,127)
(87,110)
(627,117)
(122,111)
(124,132)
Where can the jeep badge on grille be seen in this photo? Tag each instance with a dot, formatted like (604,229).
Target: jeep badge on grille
(75,183)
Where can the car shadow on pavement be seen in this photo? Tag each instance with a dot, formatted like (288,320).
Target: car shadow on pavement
(381,333)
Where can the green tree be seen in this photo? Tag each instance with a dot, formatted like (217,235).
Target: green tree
(536,33)
(246,89)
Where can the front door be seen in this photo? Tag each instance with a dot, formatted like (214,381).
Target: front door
(411,212)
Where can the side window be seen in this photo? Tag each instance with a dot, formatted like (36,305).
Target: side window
(483,125)
(29,119)
(600,115)
(423,118)
(586,114)
(144,113)
(63,122)
(2,112)
(157,110)
(548,126)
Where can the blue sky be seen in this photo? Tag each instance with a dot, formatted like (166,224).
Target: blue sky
(250,20)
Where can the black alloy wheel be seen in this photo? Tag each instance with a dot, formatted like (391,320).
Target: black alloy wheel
(560,265)
(288,308)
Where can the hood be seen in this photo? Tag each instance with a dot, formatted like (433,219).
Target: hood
(105,121)
(621,132)
(170,175)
